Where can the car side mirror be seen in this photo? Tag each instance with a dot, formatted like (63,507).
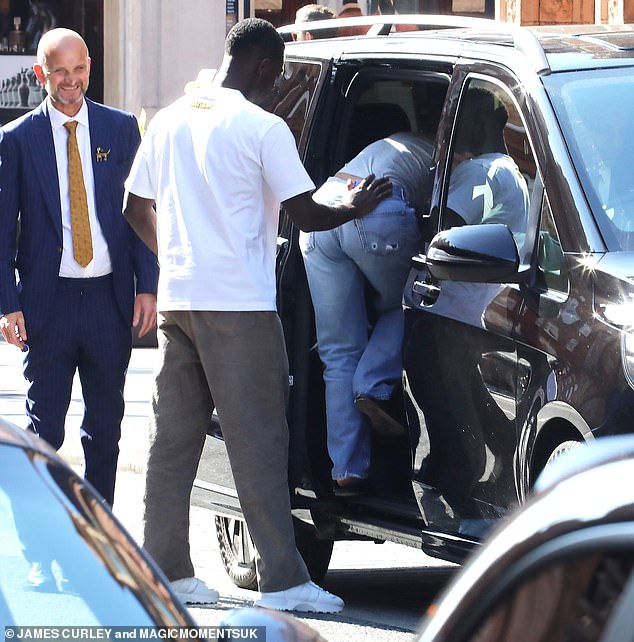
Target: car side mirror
(484,253)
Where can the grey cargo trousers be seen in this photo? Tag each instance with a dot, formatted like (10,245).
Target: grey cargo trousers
(237,363)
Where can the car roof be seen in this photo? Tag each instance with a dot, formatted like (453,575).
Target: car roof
(548,49)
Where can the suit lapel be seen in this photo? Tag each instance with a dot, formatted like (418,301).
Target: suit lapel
(99,137)
(42,151)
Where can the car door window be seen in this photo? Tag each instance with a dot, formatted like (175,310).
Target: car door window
(294,101)
(89,568)
(295,96)
(492,168)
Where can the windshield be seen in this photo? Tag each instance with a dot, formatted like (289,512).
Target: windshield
(594,109)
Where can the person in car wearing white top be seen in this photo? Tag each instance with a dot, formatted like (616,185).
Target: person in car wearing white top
(486,185)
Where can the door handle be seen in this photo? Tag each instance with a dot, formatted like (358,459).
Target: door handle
(428,291)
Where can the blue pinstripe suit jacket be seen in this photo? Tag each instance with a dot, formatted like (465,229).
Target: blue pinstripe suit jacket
(30,212)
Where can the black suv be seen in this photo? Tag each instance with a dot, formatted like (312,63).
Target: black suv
(518,339)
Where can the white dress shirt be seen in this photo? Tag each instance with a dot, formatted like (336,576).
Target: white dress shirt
(100,264)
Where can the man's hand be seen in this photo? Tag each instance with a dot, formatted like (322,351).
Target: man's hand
(13,329)
(368,194)
(144,313)
(311,216)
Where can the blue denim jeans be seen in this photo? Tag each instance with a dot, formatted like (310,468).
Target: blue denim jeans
(341,263)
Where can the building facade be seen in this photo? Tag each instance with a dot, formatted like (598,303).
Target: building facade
(145,51)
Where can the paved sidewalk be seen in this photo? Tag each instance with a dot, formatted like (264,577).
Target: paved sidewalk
(134,429)
(128,507)
(128,503)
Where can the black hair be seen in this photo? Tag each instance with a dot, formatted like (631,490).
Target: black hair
(481,124)
(254,36)
(312,12)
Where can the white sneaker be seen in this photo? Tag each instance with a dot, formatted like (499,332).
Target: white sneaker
(191,590)
(306,597)
(40,575)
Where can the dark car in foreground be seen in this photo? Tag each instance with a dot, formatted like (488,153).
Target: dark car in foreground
(519,341)
(562,568)
(65,560)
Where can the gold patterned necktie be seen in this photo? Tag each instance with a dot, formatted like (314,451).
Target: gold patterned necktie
(79,222)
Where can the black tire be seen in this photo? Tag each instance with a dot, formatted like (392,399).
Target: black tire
(237,551)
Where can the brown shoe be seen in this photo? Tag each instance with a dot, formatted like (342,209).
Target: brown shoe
(350,487)
(380,414)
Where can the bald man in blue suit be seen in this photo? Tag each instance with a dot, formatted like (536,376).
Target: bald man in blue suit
(69,314)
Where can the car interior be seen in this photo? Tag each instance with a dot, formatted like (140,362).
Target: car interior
(370,104)
(374,107)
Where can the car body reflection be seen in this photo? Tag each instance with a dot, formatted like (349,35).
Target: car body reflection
(91,571)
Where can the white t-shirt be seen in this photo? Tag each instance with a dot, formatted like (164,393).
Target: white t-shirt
(217,167)
(404,157)
(490,189)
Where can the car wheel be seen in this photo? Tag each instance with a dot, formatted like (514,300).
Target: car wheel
(562,448)
(237,552)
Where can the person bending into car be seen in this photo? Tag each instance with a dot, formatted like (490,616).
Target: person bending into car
(217,166)
(356,274)
(486,186)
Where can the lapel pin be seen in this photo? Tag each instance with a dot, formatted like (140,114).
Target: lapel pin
(102,155)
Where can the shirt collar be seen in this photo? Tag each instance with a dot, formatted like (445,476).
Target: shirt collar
(58,118)
(212,91)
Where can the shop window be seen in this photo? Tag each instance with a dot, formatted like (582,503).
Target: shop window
(35,17)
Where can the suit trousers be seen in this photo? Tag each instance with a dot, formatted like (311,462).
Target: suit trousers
(85,332)
(237,363)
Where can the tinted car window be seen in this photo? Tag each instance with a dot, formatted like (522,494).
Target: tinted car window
(551,265)
(599,131)
(92,583)
(492,166)
(296,93)
(571,601)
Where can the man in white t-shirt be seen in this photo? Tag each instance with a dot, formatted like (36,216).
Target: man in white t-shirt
(217,166)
